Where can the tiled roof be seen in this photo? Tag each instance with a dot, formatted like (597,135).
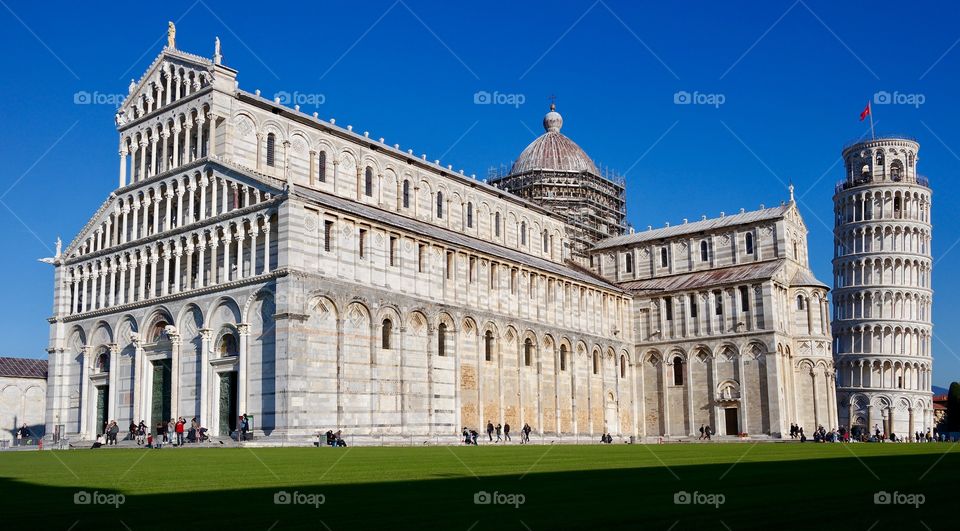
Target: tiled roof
(709,278)
(448,236)
(804,277)
(23,368)
(696,226)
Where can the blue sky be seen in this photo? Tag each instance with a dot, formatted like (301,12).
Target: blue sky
(790,79)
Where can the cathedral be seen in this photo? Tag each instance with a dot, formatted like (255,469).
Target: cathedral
(258,260)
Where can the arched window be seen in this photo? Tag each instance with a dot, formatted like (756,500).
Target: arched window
(103,362)
(228,346)
(488,345)
(879,158)
(439,205)
(623,366)
(546,241)
(748,242)
(159,331)
(596,363)
(469,215)
(496,224)
(322,167)
(678,371)
(663,257)
(628,263)
(523,233)
(368,182)
(271,144)
(527,352)
(442,339)
(563,357)
(800,302)
(406,193)
(704,252)
(896,170)
(386,334)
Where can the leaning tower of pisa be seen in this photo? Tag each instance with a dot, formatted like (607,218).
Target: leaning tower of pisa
(882,298)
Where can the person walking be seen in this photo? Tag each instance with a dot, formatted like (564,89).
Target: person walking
(498,429)
(141,432)
(701,433)
(490,430)
(506,432)
(171,431)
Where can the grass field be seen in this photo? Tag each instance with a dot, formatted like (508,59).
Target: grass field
(750,486)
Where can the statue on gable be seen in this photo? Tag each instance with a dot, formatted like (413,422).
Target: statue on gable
(171,36)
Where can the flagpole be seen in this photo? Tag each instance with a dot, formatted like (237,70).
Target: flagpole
(870,112)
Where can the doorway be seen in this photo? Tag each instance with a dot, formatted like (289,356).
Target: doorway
(731,421)
(228,403)
(103,406)
(160,395)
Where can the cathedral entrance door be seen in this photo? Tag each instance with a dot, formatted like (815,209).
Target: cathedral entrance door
(731,421)
(228,403)
(103,405)
(160,394)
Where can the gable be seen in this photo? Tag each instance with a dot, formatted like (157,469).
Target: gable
(173,72)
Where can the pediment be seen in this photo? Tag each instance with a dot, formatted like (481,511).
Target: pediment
(152,85)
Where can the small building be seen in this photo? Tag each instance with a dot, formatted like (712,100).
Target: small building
(23,397)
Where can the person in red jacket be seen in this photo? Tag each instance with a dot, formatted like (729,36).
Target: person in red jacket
(179,430)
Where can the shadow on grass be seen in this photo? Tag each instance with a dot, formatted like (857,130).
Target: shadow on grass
(825,493)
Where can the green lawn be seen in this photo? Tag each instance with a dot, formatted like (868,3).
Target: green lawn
(587,487)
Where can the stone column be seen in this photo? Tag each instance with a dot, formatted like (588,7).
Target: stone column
(75,292)
(187,138)
(153,155)
(112,378)
(266,244)
(176,144)
(152,285)
(227,236)
(84,384)
(165,268)
(204,391)
(177,250)
(165,162)
(122,299)
(240,236)
(244,331)
(212,139)
(111,287)
(666,399)
(142,154)
(176,345)
(123,166)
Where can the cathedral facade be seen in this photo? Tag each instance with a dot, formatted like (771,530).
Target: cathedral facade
(255,259)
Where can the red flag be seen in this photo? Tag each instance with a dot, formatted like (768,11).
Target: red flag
(866,112)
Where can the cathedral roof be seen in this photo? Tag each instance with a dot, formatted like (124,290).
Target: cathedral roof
(708,278)
(23,368)
(697,226)
(553,151)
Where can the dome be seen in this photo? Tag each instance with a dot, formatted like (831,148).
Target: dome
(553,151)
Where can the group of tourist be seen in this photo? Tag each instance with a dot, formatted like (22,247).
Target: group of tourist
(335,439)
(498,429)
(858,434)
